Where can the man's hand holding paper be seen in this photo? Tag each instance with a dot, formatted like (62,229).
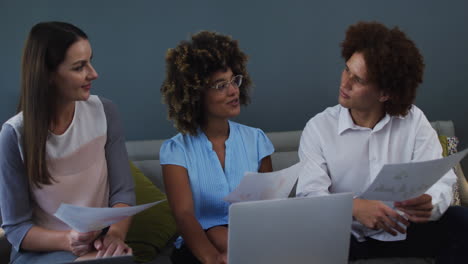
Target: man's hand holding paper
(377,215)
(405,181)
(417,210)
(405,185)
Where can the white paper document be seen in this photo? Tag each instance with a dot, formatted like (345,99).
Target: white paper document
(399,182)
(86,219)
(265,186)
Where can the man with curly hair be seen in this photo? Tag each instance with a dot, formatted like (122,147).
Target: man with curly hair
(376,123)
(206,82)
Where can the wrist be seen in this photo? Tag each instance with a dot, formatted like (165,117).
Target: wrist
(356,203)
(209,256)
(65,239)
(117,233)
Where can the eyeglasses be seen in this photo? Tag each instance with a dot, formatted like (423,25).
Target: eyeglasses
(222,86)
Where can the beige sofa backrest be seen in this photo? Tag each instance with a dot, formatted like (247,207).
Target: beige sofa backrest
(145,153)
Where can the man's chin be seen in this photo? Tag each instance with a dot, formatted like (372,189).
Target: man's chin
(343,103)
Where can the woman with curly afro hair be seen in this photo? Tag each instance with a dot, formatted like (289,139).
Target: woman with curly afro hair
(206,82)
(376,123)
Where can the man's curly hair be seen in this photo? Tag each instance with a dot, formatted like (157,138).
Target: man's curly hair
(393,62)
(189,67)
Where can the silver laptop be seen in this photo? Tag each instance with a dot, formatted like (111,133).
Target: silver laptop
(296,230)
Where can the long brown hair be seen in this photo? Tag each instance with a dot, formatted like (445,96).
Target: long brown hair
(44,50)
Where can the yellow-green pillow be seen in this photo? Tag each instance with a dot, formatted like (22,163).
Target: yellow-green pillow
(151,229)
(443,143)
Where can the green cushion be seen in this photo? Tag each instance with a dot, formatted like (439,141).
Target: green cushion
(443,143)
(151,229)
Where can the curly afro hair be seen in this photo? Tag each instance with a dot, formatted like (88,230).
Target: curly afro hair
(189,67)
(393,62)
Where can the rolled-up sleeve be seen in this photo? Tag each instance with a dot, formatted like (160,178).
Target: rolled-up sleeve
(15,201)
(427,147)
(121,183)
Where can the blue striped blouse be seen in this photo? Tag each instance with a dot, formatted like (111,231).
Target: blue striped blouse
(245,148)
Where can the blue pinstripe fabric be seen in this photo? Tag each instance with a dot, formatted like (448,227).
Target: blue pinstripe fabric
(245,148)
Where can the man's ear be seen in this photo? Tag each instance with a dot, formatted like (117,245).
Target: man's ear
(383,97)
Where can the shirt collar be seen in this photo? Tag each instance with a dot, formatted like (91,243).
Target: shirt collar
(381,124)
(346,122)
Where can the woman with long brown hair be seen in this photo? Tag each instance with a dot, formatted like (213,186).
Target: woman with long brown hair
(63,146)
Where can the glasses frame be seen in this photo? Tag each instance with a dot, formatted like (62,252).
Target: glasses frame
(222,86)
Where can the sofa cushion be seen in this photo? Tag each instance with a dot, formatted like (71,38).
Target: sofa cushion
(152,170)
(144,149)
(285,141)
(282,160)
(153,228)
(452,145)
(445,127)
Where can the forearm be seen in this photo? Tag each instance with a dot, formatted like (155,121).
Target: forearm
(266,165)
(218,235)
(179,195)
(120,229)
(195,237)
(358,208)
(313,180)
(41,239)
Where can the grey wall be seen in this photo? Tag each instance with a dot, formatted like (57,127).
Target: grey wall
(293,47)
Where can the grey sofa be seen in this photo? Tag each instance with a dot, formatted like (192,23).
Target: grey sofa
(145,155)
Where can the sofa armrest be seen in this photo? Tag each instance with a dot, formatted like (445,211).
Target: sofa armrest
(462,185)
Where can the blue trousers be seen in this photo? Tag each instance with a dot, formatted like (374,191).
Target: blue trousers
(446,240)
(28,257)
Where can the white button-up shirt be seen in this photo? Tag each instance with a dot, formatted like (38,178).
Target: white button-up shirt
(343,157)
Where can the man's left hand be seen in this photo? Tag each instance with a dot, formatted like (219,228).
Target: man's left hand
(417,210)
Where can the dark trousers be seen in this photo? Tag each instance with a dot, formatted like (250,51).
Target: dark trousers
(183,255)
(446,240)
